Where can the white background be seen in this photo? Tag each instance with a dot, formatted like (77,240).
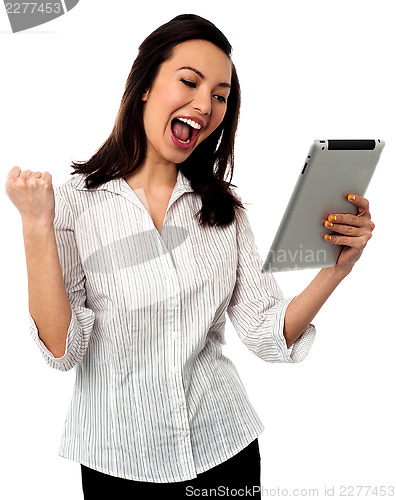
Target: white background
(308,70)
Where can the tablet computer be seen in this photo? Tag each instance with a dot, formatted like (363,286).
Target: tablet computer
(332,170)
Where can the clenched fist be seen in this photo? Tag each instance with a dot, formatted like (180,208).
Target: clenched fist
(33,195)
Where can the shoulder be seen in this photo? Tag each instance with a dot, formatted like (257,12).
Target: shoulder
(67,192)
(241,216)
(74,182)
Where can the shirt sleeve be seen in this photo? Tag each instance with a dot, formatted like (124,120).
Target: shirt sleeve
(82,320)
(257,307)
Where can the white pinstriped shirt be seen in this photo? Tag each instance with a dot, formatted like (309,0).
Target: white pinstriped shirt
(155,399)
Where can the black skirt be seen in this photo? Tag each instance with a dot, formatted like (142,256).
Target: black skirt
(241,473)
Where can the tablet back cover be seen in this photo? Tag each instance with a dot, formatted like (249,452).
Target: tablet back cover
(333,169)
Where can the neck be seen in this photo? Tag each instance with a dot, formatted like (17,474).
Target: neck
(153,177)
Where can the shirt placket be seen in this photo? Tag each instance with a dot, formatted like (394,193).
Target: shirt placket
(176,362)
(172,329)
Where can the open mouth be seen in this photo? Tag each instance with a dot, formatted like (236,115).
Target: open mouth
(183,134)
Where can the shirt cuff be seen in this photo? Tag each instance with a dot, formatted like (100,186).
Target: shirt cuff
(301,347)
(299,350)
(43,348)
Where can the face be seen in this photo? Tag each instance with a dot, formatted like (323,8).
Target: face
(193,84)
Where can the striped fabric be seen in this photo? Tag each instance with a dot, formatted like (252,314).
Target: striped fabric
(155,399)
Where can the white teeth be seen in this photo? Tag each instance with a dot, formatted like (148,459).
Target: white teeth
(192,123)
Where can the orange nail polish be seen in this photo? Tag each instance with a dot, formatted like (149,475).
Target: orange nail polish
(333,218)
(328,224)
(351,197)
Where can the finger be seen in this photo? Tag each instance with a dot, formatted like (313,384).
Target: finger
(358,243)
(344,229)
(347,220)
(43,176)
(361,203)
(349,230)
(26,173)
(14,173)
(46,175)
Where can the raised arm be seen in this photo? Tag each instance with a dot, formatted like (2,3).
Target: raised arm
(352,232)
(60,324)
(48,302)
(32,194)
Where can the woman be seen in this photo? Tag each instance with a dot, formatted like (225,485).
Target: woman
(132,270)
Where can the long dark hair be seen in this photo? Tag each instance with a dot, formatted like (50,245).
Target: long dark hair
(125,148)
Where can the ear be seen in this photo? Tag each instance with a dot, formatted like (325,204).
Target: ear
(145,95)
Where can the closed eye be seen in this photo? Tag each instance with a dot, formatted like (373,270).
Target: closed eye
(189,84)
(193,85)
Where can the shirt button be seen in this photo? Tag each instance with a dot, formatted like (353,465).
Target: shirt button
(174,335)
(173,303)
(180,402)
(185,434)
(175,370)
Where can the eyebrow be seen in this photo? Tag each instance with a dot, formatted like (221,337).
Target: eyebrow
(222,84)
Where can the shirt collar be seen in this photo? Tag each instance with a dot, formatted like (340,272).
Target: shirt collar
(119,185)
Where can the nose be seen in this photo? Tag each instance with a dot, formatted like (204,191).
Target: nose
(203,102)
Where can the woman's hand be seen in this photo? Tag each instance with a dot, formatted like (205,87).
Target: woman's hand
(33,195)
(354,232)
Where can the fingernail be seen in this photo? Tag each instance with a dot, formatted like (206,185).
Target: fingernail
(328,224)
(327,237)
(333,218)
(351,197)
